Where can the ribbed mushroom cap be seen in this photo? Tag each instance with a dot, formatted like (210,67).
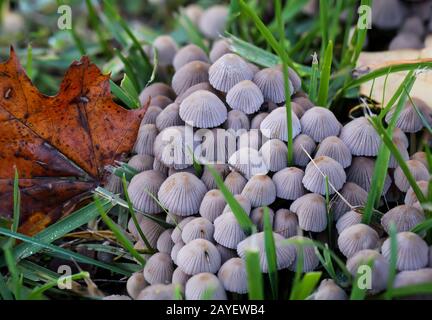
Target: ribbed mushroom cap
(135,284)
(274,153)
(257,217)
(356,238)
(288,183)
(353,194)
(260,190)
(200,86)
(349,219)
(237,120)
(115,184)
(159,269)
(228,231)
(213,20)
(336,149)
(233,276)
(400,136)
(190,74)
(314,179)
(320,123)
(275,125)
(245,96)
(406,40)
(143,188)
(151,115)
(146,136)
(250,139)
(411,198)
(256,120)
(418,171)
(235,182)
(179,277)
(361,173)
(400,145)
(310,259)
(409,120)
(189,53)
(182,193)
(380,268)
(285,254)
(175,250)
(360,137)
(208,179)
(248,162)
(202,284)
(161,101)
(212,205)
(412,251)
(304,102)
(329,290)
(414,277)
(141,162)
(198,256)
(158,292)
(311,212)
(198,228)
(176,234)
(215,145)
(243,201)
(166,48)
(297,109)
(404,217)
(169,117)
(226,253)
(272,85)
(285,223)
(219,48)
(227,71)
(301,143)
(165,243)
(420,156)
(150,228)
(388,14)
(154,90)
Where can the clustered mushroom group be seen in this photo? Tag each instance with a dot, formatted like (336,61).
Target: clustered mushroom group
(205,249)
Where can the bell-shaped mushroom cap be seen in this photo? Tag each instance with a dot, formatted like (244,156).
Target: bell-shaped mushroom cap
(175,250)
(275,125)
(176,234)
(213,20)
(243,201)
(400,145)
(401,137)
(235,182)
(141,162)
(202,284)
(166,48)
(159,269)
(349,219)
(182,193)
(260,190)
(193,12)
(272,85)
(179,277)
(189,53)
(304,102)
(245,96)
(336,149)
(311,211)
(320,123)
(174,219)
(285,223)
(310,259)
(360,137)
(414,277)
(380,267)
(420,156)
(146,136)
(353,194)
(207,177)
(256,120)
(233,276)
(250,139)
(158,292)
(228,231)
(285,253)
(154,90)
(248,162)
(143,188)
(150,228)
(190,74)
(151,115)
(361,172)
(115,184)
(288,183)
(274,153)
(412,251)
(314,178)
(301,143)
(219,48)
(297,109)
(200,86)
(414,24)
(295,79)
(388,14)
(418,171)
(165,243)
(212,205)
(135,284)
(214,146)
(226,253)
(257,217)
(411,198)
(198,228)
(227,71)
(169,117)
(404,217)
(409,120)
(356,238)
(198,256)
(161,101)
(406,40)
(237,120)
(329,290)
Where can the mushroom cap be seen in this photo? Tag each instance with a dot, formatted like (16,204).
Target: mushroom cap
(227,231)
(159,166)
(388,14)
(256,120)
(143,188)
(189,53)
(248,162)
(158,292)
(418,171)
(412,251)
(310,259)
(414,25)
(166,48)
(151,115)
(361,137)
(304,102)
(335,148)
(213,20)
(404,217)
(272,85)
(297,109)
(169,117)
(207,177)
(203,109)
(311,211)
(414,277)
(245,96)
(150,228)
(135,284)
(237,120)
(329,290)
(420,156)
(400,136)
(146,136)
(257,217)
(301,142)
(349,219)
(179,277)
(274,153)
(409,120)
(285,223)
(175,250)
(233,276)
(164,243)
(158,269)
(260,190)
(114,184)
(250,139)
(215,145)
(314,179)
(219,48)
(406,40)
(400,145)
(202,284)
(356,238)
(295,79)
(141,162)
(411,198)
(198,256)
(176,234)
(361,172)
(193,12)
(189,75)
(353,194)
(156,89)
(226,253)
(235,182)
(212,205)
(275,125)
(243,201)
(199,86)
(227,71)
(160,101)
(182,193)
(320,123)
(198,228)
(288,183)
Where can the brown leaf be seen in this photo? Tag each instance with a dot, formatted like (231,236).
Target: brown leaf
(61,144)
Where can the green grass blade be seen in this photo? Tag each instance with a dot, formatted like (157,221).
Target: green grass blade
(324,24)
(270,250)
(314,78)
(121,94)
(307,285)
(411,290)
(325,75)
(29,62)
(254,276)
(192,31)
(93,19)
(361,37)
(358,293)
(296,287)
(4,290)
(15,274)
(425,226)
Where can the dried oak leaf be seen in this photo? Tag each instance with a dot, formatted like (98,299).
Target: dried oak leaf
(61,144)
